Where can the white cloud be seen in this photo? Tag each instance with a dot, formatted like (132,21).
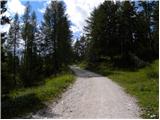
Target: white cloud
(15,6)
(74,28)
(79,11)
(42,10)
(4,28)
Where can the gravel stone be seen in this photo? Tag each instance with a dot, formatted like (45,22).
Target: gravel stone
(92,96)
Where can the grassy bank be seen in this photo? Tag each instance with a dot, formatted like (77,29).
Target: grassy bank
(142,83)
(22,101)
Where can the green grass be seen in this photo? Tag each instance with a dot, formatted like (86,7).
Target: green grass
(143,84)
(26,100)
(82,64)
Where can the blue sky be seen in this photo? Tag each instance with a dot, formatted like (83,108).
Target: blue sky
(36,6)
(78,11)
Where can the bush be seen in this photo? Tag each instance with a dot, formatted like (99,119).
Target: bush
(153,70)
(25,100)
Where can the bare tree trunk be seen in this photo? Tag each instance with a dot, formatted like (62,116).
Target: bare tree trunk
(14,61)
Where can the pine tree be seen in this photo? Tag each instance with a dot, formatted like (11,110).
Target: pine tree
(121,34)
(156,29)
(13,43)
(101,32)
(57,37)
(28,72)
(6,82)
(147,14)
(80,48)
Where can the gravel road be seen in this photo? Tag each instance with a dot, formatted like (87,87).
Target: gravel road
(92,96)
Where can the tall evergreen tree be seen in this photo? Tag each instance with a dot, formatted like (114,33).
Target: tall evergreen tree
(156,29)
(122,34)
(57,36)
(80,48)
(13,43)
(25,72)
(6,83)
(101,31)
(30,49)
(155,16)
(147,14)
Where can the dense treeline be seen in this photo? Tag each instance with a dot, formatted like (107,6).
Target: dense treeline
(79,49)
(117,35)
(4,67)
(32,52)
(124,34)
(121,42)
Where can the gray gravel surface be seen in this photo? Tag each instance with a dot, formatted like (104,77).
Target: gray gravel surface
(92,96)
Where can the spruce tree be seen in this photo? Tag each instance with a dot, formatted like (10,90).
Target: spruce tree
(57,37)
(30,49)
(13,42)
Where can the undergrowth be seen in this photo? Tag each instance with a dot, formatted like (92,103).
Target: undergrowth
(22,101)
(142,83)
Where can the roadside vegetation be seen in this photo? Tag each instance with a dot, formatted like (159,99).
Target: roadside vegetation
(26,67)
(43,49)
(121,41)
(142,83)
(26,100)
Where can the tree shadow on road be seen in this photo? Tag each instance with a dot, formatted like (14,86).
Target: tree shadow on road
(83,73)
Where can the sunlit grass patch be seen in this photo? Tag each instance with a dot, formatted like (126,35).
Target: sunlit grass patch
(142,83)
(23,101)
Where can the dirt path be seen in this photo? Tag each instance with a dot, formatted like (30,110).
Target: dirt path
(92,96)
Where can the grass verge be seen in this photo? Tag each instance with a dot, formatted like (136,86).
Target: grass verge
(26,100)
(142,83)
(82,64)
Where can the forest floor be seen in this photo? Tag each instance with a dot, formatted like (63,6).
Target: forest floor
(92,96)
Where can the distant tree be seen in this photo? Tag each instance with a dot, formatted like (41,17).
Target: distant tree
(80,49)
(76,49)
(156,29)
(92,33)
(4,19)
(147,15)
(26,35)
(6,83)
(28,72)
(127,31)
(101,32)
(122,34)
(13,43)
(57,39)
(33,59)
